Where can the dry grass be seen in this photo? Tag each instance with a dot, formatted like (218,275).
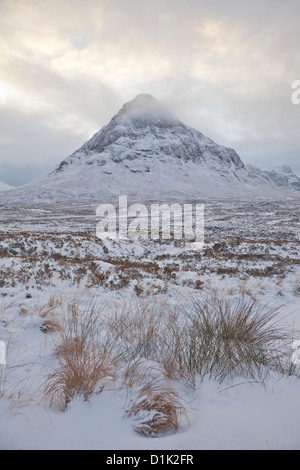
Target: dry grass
(50,323)
(222,337)
(137,329)
(82,361)
(156,409)
(218,334)
(145,345)
(155,405)
(49,312)
(79,372)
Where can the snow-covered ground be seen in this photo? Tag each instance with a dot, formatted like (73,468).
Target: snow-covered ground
(54,260)
(248,416)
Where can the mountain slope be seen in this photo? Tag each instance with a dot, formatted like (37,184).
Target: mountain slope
(147,152)
(282,176)
(4,186)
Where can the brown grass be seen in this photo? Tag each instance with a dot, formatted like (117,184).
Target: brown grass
(156,408)
(50,315)
(82,361)
(79,372)
(217,334)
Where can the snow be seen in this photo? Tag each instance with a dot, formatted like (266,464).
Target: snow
(49,249)
(246,416)
(240,414)
(144,150)
(282,176)
(5,187)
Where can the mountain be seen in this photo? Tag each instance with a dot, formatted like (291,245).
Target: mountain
(5,187)
(145,151)
(282,176)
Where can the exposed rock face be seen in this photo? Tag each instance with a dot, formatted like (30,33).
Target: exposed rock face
(282,176)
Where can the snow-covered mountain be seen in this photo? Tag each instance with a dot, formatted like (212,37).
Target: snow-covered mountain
(282,176)
(4,186)
(146,151)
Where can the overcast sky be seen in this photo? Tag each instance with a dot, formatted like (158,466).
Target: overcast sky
(225,67)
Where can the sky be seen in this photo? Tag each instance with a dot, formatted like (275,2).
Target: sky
(225,68)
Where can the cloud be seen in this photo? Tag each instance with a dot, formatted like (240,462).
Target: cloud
(30,148)
(226,68)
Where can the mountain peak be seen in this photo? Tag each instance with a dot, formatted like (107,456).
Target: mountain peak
(143,98)
(148,152)
(143,117)
(144,107)
(145,132)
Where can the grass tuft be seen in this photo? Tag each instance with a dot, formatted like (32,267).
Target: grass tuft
(222,337)
(82,361)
